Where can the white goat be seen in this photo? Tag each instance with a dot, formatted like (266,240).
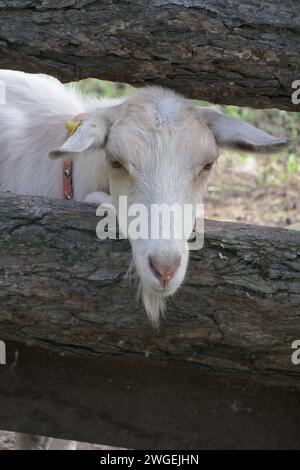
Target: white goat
(153,147)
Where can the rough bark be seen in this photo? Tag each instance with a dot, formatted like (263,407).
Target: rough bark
(63,289)
(238,52)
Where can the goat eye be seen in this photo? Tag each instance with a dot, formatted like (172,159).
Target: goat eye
(116,164)
(208,166)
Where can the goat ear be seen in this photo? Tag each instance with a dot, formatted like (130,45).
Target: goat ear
(91,133)
(237,134)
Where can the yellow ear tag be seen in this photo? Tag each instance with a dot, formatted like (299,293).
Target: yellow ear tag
(72,126)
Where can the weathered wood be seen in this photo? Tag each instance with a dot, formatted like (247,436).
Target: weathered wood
(237,52)
(135,403)
(63,289)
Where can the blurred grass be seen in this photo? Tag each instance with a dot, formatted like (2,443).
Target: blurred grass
(102,88)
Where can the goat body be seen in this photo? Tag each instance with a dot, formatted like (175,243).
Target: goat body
(33,120)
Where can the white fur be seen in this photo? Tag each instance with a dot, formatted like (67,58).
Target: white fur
(32,124)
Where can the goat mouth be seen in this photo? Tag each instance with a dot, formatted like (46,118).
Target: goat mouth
(159,290)
(164,291)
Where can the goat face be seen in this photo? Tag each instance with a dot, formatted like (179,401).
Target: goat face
(159,150)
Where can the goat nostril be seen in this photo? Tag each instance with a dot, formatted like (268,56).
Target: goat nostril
(164,270)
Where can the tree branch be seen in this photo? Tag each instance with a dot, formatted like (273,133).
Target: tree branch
(236,52)
(63,289)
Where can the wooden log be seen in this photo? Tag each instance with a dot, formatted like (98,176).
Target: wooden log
(236,52)
(61,288)
(131,402)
